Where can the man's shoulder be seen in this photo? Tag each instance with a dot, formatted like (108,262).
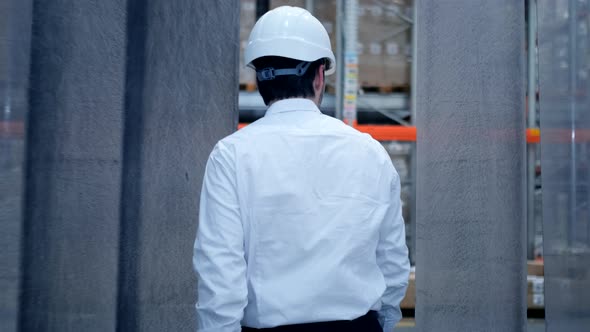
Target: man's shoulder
(357,136)
(327,126)
(338,126)
(241,134)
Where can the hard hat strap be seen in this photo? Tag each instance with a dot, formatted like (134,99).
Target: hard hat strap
(270,73)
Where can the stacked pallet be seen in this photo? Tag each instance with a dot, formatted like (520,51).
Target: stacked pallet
(384,36)
(400,154)
(535,285)
(384,45)
(409,301)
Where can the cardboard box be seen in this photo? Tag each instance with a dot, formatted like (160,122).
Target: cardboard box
(383,53)
(535,301)
(384,44)
(382,57)
(535,268)
(409,301)
(535,292)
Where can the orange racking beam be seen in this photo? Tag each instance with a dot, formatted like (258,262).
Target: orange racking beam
(12,129)
(389,132)
(533,135)
(379,132)
(408,134)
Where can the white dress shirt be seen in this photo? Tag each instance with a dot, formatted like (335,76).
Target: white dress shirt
(300,221)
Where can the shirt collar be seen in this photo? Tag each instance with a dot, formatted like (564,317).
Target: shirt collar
(292,105)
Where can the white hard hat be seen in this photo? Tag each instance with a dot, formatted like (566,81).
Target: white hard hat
(290,32)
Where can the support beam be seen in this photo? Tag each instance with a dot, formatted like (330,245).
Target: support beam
(531,123)
(564,101)
(127,99)
(71,213)
(184,102)
(411,230)
(15,41)
(471,219)
(339,101)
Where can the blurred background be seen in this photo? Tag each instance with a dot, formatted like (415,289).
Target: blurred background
(109,110)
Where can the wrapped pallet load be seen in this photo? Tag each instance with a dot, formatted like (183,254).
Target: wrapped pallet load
(384,37)
(384,45)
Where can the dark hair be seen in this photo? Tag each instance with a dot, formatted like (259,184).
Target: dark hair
(286,86)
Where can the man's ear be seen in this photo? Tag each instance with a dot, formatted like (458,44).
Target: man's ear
(318,82)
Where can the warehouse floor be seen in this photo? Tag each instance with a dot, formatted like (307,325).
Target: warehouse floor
(408,324)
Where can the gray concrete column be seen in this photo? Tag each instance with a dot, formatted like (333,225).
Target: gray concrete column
(71,212)
(564,92)
(15,38)
(127,100)
(471,271)
(183,98)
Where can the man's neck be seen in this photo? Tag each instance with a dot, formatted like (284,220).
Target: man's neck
(314,99)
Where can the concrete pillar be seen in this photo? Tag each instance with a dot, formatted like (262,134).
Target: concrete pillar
(15,38)
(564,92)
(471,271)
(127,99)
(188,100)
(73,176)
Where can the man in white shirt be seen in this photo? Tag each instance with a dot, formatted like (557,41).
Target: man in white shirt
(300,225)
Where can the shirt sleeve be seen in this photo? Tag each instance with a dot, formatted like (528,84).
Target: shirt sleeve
(218,256)
(392,258)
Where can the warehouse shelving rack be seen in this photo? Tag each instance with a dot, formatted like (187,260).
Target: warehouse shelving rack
(391,116)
